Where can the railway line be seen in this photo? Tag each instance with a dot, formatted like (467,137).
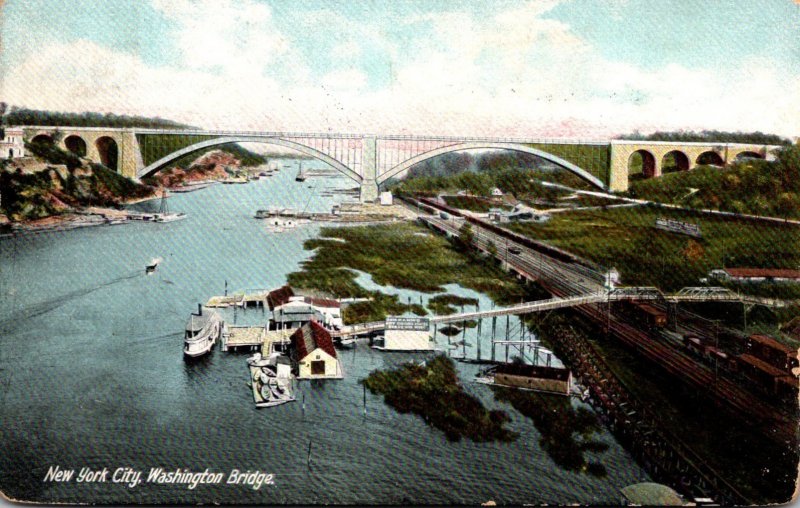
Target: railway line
(565,276)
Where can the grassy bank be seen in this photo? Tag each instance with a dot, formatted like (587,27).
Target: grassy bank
(626,238)
(400,255)
(434,393)
(756,187)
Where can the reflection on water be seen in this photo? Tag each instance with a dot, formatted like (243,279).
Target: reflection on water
(567,431)
(93,375)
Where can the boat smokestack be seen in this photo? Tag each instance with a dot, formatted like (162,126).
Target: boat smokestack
(199,309)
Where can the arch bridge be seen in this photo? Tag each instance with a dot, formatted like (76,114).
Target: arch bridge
(372,160)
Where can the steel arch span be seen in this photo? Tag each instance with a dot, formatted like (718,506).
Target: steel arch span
(162,162)
(405,165)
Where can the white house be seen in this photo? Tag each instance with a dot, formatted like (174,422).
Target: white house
(314,354)
(497,192)
(11,143)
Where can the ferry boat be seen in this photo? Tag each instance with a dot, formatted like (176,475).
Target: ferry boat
(202,331)
(164,215)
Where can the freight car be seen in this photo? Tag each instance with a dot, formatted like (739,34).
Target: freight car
(771,351)
(645,315)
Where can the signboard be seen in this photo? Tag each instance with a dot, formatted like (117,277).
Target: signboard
(676,226)
(419,324)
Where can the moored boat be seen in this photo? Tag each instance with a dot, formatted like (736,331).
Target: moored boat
(271,379)
(202,332)
(164,215)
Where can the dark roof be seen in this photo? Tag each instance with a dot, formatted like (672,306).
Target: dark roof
(761,365)
(769,273)
(766,340)
(278,297)
(535,371)
(297,313)
(311,336)
(322,302)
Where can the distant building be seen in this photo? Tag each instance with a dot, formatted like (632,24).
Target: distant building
(497,192)
(313,353)
(11,143)
(407,334)
(757,274)
(386,198)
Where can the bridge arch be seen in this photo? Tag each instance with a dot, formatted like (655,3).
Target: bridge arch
(404,166)
(164,161)
(43,139)
(648,162)
(108,150)
(76,145)
(710,157)
(748,154)
(675,160)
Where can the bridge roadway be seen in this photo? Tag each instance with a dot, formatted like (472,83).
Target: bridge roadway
(567,280)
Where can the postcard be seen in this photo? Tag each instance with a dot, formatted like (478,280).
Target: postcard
(511,252)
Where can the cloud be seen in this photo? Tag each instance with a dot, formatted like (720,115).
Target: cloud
(516,73)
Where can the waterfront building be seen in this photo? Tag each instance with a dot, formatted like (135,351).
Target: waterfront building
(407,334)
(313,353)
(12,145)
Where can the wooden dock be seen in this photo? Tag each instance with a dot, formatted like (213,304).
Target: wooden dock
(255,338)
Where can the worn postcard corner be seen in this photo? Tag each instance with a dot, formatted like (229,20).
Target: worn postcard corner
(396,252)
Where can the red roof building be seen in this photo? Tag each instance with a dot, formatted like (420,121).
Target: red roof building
(763,273)
(278,297)
(314,354)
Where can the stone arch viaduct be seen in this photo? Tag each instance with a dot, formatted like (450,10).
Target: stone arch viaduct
(373,160)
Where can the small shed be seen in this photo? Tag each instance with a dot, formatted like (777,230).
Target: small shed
(386,198)
(313,353)
(497,192)
(407,334)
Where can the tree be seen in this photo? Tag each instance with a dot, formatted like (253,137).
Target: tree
(465,235)
(492,249)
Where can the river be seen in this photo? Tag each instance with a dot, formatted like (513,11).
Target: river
(92,375)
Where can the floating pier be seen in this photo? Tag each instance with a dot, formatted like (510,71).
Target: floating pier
(255,338)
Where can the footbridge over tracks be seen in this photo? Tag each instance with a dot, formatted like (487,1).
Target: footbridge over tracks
(372,160)
(693,294)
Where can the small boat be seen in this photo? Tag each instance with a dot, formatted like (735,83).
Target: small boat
(271,379)
(190,187)
(301,175)
(202,331)
(164,215)
(347,343)
(152,266)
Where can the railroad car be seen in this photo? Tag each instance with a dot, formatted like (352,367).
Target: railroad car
(772,352)
(761,374)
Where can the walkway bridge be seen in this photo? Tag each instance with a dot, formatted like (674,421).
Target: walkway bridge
(373,160)
(690,294)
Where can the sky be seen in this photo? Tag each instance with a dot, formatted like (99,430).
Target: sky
(508,68)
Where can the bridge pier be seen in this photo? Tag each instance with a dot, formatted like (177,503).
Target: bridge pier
(369,183)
